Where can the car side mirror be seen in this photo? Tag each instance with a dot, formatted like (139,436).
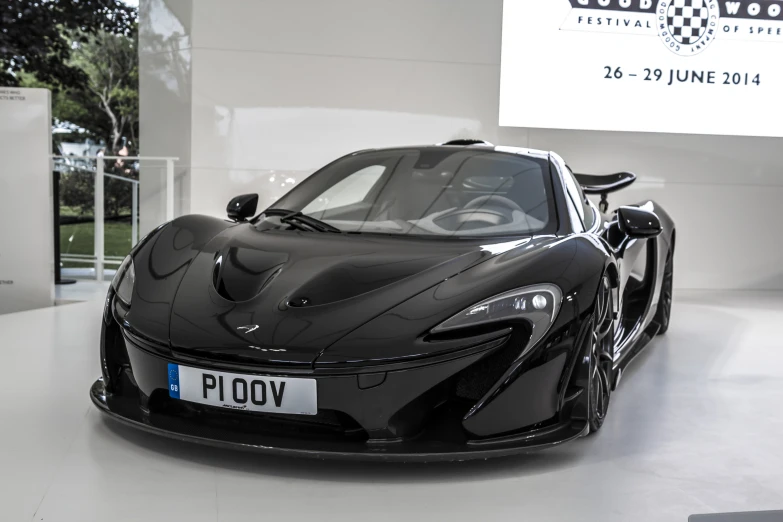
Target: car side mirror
(636,222)
(242,207)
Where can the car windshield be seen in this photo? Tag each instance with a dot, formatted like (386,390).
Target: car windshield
(431,191)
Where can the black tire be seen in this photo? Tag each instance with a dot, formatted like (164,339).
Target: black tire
(601,374)
(664,311)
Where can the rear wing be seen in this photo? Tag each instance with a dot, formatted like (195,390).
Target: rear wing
(603,185)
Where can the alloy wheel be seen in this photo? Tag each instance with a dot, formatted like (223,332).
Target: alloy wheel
(601,355)
(664,311)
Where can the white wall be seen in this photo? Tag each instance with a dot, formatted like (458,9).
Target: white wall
(254,96)
(165,106)
(26,221)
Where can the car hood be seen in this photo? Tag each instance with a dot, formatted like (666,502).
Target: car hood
(281,297)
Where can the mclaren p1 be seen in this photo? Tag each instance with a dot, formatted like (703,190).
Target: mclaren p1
(444,302)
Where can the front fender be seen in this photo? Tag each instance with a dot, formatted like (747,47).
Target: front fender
(531,389)
(574,263)
(160,263)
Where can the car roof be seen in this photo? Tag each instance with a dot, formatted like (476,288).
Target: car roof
(468,144)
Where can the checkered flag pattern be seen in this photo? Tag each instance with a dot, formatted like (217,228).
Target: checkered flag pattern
(687,20)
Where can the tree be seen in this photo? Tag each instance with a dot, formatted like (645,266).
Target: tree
(110,64)
(85,52)
(72,105)
(106,103)
(32,39)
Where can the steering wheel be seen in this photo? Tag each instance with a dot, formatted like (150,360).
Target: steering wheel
(492,201)
(470,218)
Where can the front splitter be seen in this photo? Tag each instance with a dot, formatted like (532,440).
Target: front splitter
(406,451)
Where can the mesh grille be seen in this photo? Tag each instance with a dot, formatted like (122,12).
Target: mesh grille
(475,381)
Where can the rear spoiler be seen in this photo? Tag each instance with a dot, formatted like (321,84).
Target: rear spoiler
(603,185)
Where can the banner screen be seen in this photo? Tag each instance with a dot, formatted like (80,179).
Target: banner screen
(681,66)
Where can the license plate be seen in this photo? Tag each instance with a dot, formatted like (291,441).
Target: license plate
(236,391)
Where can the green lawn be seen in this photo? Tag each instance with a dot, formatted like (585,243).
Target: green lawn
(79,239)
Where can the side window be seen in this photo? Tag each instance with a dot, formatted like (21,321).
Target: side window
(351,189)
(588,216)
(573,194)
(589,212)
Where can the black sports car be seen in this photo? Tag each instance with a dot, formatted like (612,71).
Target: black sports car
(416,303)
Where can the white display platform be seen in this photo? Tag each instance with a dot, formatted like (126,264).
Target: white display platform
(26,236)
(693,428)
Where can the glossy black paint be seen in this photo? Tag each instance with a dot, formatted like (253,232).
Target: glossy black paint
(354,311)
(638,223)
(244,276)
(592,184)
(242,207)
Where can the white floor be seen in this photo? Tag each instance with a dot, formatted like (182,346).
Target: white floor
(694,428)
(80,291)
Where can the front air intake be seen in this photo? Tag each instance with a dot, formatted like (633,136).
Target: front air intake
(476,380)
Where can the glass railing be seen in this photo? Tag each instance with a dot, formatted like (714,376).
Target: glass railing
(98,218)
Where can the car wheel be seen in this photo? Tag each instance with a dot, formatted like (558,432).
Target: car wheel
(601,356)
(664,310)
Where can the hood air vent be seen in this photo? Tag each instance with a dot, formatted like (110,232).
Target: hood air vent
(240,274)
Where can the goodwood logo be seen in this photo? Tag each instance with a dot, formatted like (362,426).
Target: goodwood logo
(686,27)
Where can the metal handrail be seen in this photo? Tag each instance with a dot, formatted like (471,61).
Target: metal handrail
(89,260)
(121,178)
(150,158)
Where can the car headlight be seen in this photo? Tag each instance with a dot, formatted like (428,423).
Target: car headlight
(538,304)
(124,279)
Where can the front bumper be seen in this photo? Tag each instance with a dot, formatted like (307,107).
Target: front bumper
(418,450)
(415,414)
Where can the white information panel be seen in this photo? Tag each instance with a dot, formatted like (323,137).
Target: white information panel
(26,235)
(681,66)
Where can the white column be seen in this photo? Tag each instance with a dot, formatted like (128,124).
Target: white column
(169,189)
(134,213)
(98,213)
